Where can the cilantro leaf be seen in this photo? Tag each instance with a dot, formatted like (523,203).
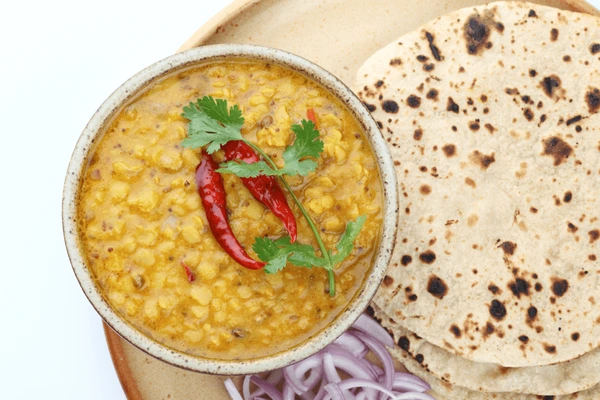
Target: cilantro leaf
(277,253)
(245,170)
(212,123)
(307,144)
(346,243)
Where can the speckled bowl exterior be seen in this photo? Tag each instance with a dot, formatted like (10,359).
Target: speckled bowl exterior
(84,150)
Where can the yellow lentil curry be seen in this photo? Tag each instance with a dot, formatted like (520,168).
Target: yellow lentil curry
(140,215)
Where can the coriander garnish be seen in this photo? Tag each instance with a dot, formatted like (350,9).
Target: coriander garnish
(212,124)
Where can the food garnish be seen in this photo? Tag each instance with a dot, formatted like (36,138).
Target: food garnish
(212,126)
(317,376)
(191,277)
(264,188)
(212,192)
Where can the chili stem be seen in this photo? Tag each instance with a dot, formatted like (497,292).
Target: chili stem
(324,251)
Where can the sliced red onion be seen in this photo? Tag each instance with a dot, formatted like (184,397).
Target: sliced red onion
(320,372)
(368,325)
(383,355)
(267,387)
(232,390)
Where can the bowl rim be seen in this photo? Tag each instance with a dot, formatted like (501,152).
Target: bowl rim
(129,90)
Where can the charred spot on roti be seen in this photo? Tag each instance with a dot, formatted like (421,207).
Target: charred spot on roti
(594,235)
(388,281)
(370,107)
(379,83)
(572,228)
(528,114)
(533,210)
(538,287)
(380,124)
(574,119)
(524,338)
(567,58)
(390,106)
(425,189)
(418,134)
(427,257)
(428,67)
(412,297)
(575,336)
(420,358)
(452,106)
(449,150)
(568,197)
(508,247)
(413,101)
(592,99)
(477,32)
(519,287)
(481,159)
(532,14)
(532,313)
(595,48)
(404,343)
(494,289)
(434,50)
(549,348)
(559,286)
(497,310)
(532,73)
(432,94)
(437,287)
(557,148)
(474,126)
(553,34)
(551,85)
(405,260)
(490,128)
(456,331)
(422,58)
(489,329)
(592,257)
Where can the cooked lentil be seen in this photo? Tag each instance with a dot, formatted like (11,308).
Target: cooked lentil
(140,215)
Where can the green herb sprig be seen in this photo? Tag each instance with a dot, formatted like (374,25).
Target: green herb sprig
(212,124)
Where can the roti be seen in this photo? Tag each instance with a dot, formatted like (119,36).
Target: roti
(563,378)
(445,391)
(491,114)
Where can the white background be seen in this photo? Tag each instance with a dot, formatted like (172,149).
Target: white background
(58,61)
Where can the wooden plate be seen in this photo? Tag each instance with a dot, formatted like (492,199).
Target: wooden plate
(339,35)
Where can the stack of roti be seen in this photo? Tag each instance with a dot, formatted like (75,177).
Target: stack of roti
(491,115)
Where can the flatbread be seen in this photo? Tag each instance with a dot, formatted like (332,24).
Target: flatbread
(491,114)
(563,378)
(445,391)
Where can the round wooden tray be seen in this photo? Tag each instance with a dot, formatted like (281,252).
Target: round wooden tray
(339,35)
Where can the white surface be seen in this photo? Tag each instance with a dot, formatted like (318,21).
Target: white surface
(60,60)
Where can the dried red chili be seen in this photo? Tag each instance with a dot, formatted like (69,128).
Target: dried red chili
(265,189)
(310,114)
(191,277)
(212,193)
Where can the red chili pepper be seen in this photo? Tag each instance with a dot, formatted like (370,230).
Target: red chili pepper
(190,275)
(265,189)
(310,114)
(212,192)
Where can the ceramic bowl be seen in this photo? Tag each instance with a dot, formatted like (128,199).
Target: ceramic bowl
(84,150)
